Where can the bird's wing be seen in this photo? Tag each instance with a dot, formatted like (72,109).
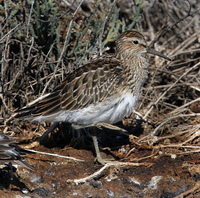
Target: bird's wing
(10,152)
(87,85)
(12,155)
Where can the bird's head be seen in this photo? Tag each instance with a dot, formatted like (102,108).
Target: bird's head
(132,42)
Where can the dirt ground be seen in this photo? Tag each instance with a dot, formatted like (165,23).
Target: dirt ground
(156,171)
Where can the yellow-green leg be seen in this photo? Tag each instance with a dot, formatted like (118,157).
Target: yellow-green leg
(94,137)
(96,146)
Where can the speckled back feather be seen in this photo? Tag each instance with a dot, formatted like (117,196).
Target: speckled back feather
(104,90)
(86,85)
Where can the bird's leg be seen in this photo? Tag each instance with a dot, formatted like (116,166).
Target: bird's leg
(94,137)
(50,129)
(96,146)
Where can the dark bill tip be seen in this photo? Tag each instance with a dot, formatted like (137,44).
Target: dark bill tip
(152,51)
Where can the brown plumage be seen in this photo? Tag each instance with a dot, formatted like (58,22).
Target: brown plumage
(102,91)
(87,85)
(10,152)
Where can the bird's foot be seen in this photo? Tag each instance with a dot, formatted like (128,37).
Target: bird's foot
(102,161)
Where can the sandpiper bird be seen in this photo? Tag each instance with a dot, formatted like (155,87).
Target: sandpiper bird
(101,92)
(10,152)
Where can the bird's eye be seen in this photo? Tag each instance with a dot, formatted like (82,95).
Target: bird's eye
(135,42)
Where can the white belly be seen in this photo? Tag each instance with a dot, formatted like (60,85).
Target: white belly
(111,111)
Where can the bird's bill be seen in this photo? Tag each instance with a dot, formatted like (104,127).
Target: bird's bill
(153,51)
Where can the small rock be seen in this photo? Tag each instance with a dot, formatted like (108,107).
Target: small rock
(36,178)
(154,181)
(110,193)
(134,181)
(167,195)
(25,190)
(95,184)
(173,156)
(55,185)
(171,179)
(75,193)
(41,192)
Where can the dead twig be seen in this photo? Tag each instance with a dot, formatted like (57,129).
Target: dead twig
(181,108)
(184,74)
(100,171)
(64,46)
(104,24)
(191,192)
(56,155)
(166,27)
(169,119)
